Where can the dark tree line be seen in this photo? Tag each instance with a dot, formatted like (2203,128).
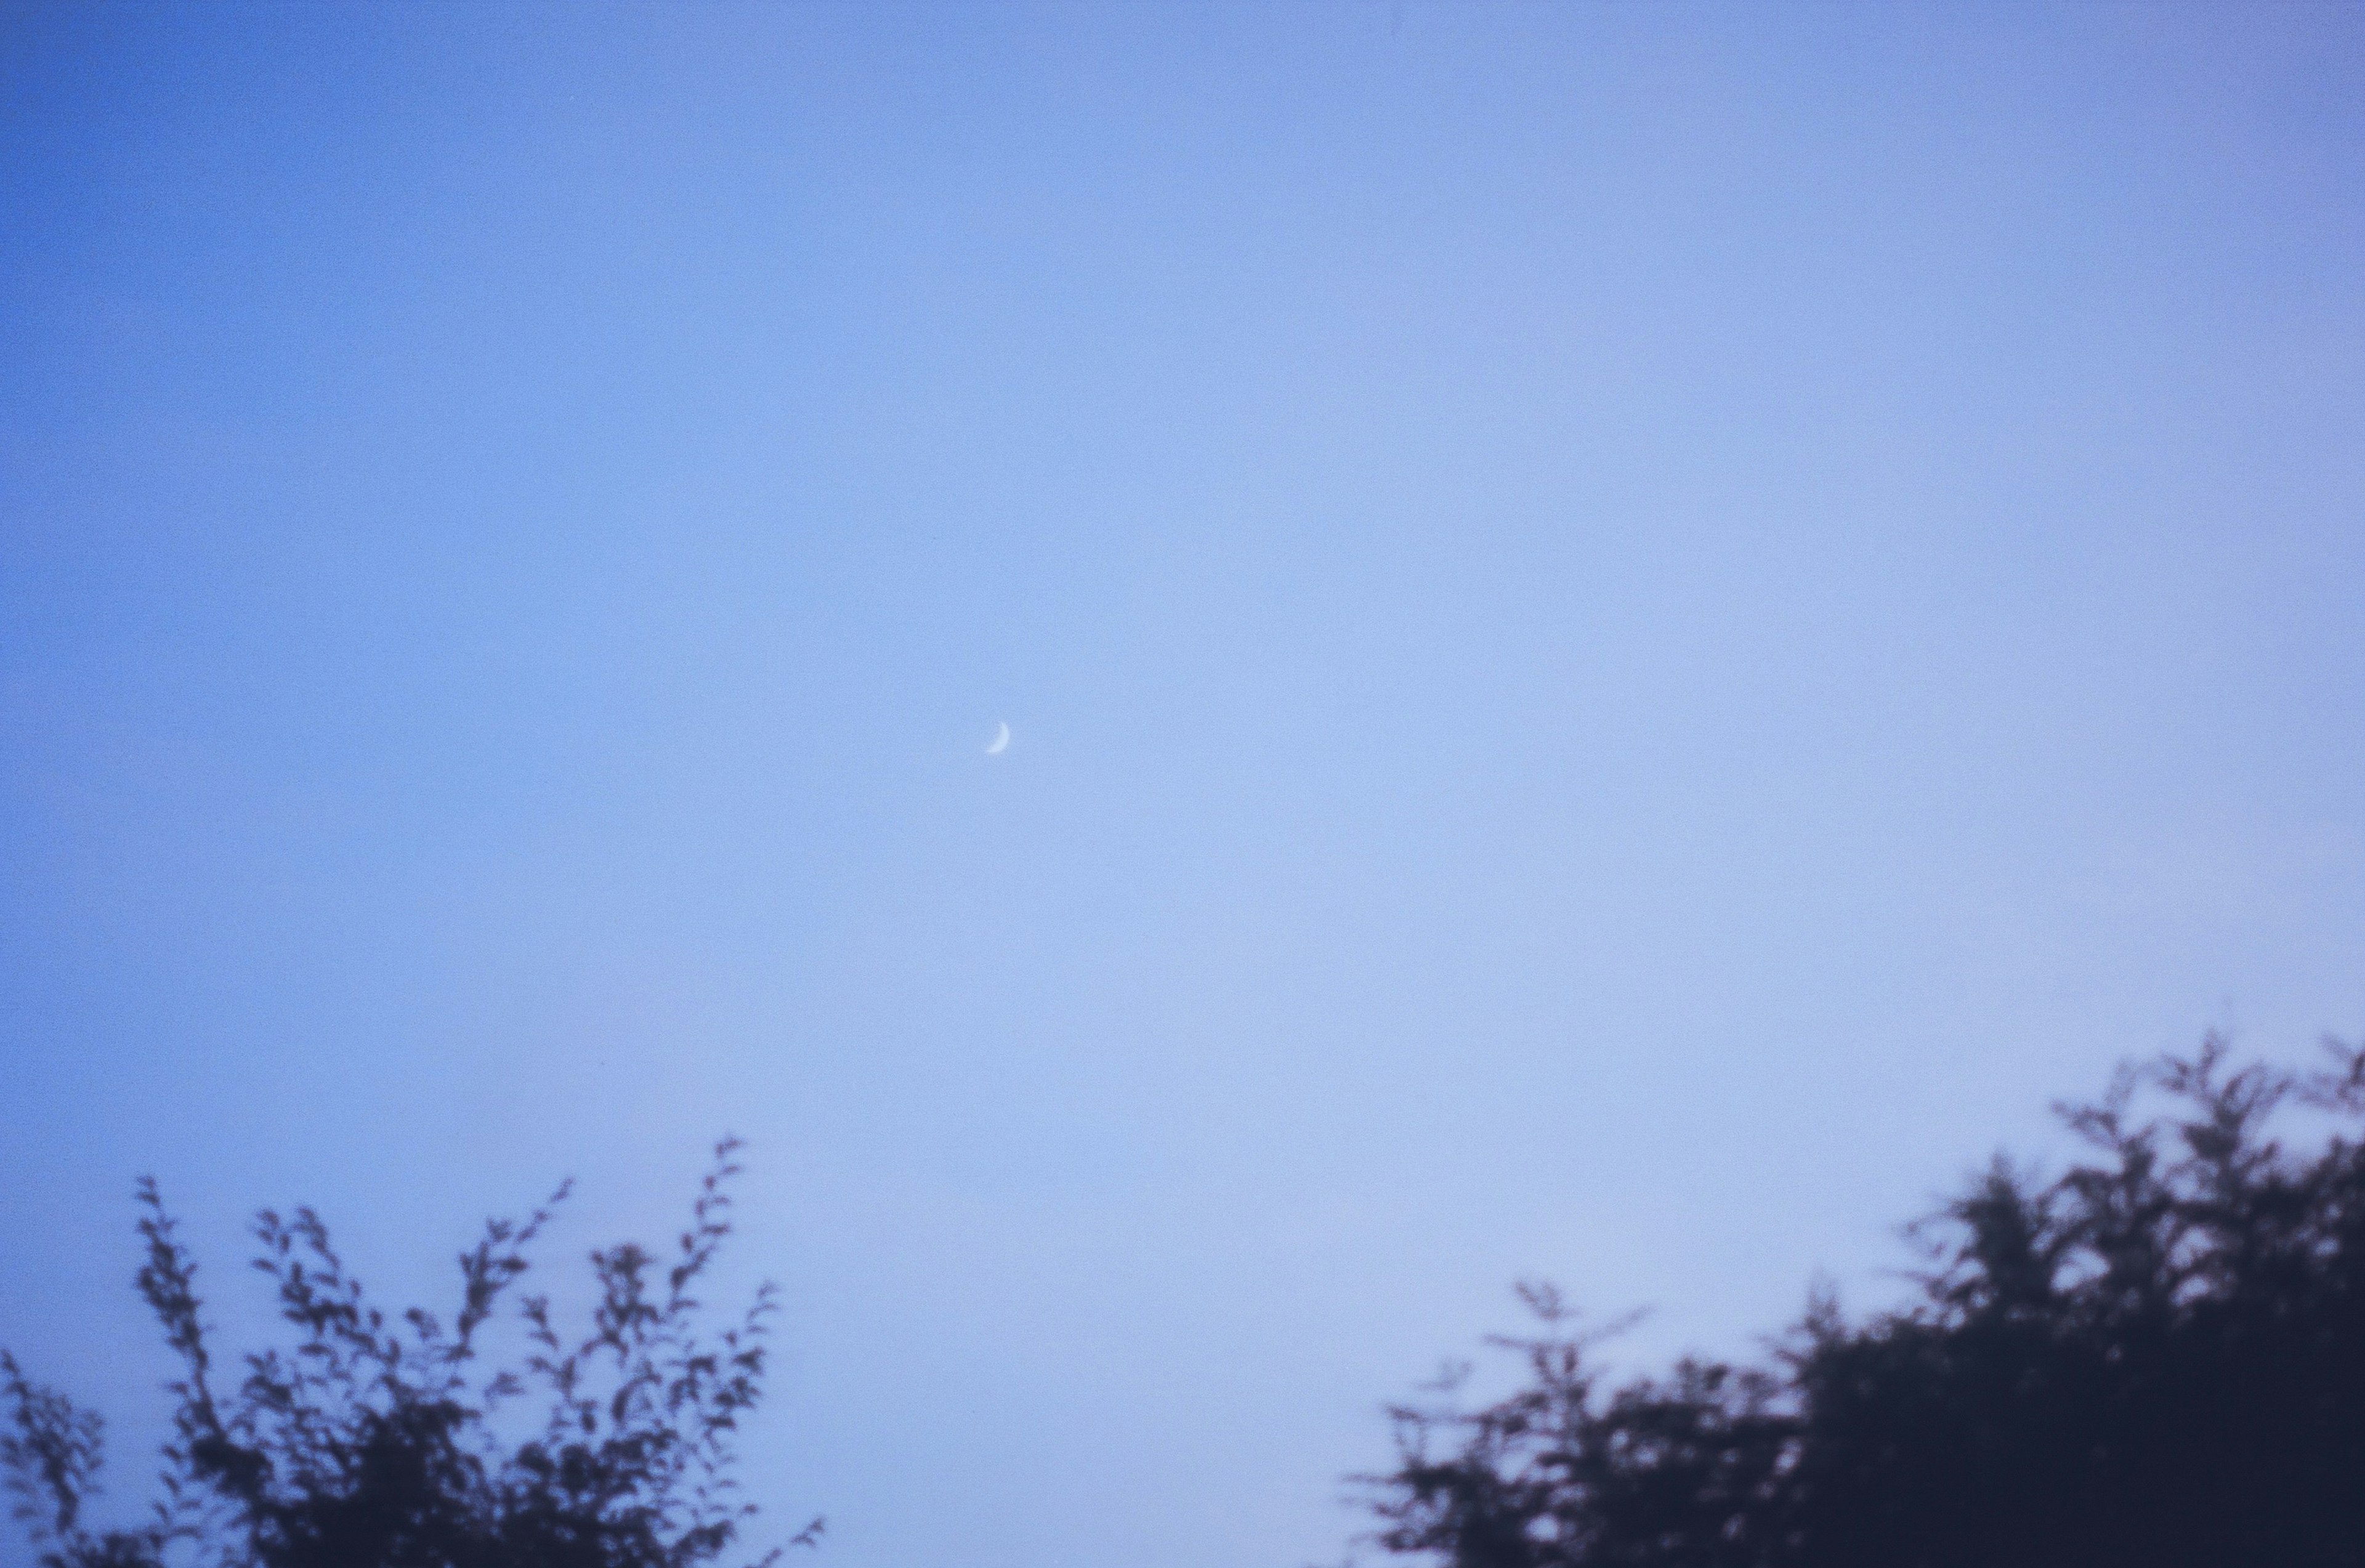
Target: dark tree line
(2156,1359)
(367,1443)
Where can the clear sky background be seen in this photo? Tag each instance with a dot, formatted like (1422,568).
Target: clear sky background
(1631,633)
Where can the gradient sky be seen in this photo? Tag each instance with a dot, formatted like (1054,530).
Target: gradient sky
(1631,632)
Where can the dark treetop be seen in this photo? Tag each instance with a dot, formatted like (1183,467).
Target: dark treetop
(364,1445)
(2158,1358)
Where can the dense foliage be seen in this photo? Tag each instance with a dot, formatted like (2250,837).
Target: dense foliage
(369,1445)
(2155,1359)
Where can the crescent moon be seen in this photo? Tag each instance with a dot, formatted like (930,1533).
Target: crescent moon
(1001,743)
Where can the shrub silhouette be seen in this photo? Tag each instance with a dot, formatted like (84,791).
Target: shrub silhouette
(2155,1359)
(368,1445)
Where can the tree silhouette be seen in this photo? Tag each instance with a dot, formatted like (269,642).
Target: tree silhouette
(372,1445)
(2155,1359)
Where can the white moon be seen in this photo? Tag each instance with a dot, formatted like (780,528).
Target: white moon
(1001,743)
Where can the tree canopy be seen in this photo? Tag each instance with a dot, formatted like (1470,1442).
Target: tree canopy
(2156,1358)
(367,1443)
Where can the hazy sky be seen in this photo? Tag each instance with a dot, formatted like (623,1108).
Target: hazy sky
(1631,631)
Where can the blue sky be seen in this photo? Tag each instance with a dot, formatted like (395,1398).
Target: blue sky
(1631,633)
